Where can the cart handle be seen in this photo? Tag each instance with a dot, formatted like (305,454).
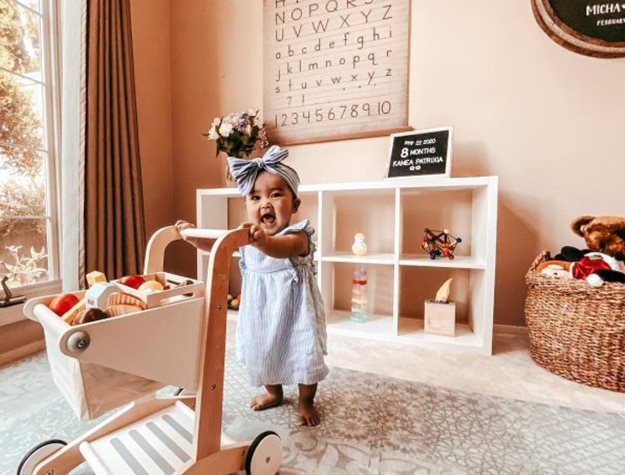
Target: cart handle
(203,233)
(155,250)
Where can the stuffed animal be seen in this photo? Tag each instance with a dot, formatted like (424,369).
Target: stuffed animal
(594,267)
(605,234)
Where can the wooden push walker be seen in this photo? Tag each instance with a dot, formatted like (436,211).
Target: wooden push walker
(180,341)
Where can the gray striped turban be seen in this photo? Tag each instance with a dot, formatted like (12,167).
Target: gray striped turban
(245,171)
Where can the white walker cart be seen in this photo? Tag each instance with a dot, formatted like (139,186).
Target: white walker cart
(179,340)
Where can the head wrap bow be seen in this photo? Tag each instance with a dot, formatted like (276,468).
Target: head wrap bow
(245,171)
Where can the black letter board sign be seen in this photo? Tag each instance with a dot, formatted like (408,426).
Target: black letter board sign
(419,153)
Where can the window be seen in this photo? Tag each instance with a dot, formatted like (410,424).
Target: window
(29,104)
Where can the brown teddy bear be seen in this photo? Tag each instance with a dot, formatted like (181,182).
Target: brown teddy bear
(604,234)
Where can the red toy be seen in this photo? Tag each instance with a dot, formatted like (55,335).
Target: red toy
(439,243)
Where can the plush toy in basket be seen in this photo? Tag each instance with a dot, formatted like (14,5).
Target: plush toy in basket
(603,261)
(577,330)
(604,234)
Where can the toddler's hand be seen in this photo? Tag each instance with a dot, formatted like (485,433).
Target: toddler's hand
(181,225)
(256,233)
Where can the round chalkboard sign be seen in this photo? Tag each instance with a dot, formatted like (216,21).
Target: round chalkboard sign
(589,27)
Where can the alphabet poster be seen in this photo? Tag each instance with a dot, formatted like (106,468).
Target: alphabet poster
(335,69)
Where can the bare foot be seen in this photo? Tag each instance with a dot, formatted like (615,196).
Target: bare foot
(272,398)
(308,415)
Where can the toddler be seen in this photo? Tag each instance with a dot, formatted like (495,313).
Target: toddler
(281,334)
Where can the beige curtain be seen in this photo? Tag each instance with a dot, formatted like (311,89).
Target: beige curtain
(114,219)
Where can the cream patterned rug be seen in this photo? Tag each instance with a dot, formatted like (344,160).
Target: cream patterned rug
(371,425)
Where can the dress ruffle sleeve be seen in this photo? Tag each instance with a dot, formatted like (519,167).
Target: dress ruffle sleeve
(305,226)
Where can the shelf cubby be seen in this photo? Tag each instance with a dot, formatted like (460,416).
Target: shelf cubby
(393,215)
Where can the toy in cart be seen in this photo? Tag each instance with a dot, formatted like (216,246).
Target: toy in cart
(118,359)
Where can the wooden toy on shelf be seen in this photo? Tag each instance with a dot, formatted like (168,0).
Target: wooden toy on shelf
(359,247)
(440,314)
(440,243)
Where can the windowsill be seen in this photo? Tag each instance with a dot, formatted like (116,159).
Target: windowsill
(14,313)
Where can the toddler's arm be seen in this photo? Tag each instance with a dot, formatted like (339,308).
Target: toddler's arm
(199,243)
(287,245)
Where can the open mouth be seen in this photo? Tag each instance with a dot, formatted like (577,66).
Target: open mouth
(268,218)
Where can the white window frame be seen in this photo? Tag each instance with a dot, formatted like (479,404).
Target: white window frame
(51,61)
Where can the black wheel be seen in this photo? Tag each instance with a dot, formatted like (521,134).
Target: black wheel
(264,454)
(38,454)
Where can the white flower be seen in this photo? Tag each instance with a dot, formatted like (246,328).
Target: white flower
(212,133)
(225,128)
(238,134)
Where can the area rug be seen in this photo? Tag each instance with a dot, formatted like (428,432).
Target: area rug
(370,425)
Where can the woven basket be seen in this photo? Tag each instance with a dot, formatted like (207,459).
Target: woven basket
(576,330)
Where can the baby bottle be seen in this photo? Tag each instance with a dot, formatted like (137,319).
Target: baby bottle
(359,295)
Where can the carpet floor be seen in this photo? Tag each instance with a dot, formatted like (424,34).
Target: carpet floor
(370,425)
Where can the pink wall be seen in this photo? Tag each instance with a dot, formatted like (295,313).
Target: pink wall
(547,121)
(151,39)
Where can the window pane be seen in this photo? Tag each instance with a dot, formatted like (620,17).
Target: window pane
(22,110)
(21,40)
(22,193)
(33,4)
(20,161)
(23,251)
(23,223)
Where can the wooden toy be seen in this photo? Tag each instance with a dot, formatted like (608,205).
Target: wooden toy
(440,243)
(440,314)
(359,247)
(180,343)
(97,295)
(95,276)
(69,316)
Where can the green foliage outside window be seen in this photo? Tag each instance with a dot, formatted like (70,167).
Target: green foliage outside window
(22,147)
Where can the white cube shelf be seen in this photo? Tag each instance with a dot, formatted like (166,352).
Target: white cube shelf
(393,215)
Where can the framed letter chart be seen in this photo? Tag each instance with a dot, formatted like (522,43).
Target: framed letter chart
(335,69)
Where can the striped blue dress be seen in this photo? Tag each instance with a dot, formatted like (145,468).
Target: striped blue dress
(281,333)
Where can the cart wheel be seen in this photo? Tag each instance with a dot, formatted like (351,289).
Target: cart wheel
(264,455)
(38,454)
